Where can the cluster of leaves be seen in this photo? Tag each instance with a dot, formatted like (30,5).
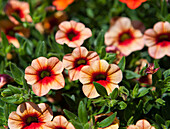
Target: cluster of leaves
(129,103)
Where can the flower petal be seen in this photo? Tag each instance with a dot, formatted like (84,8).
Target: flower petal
(39,63)
(157,51)
(92,56)
(70,126)
(60,121)
(31,79)
(68,61)
(79,52)
(124,23)
(65,26)
(100,66)
(15,121)
(150,37)
(86,75)
(110,87)
(60,37)
(47,113)
(90,91)
(58,66)
(86,33)
(114,74)
(58,82)
(143,124)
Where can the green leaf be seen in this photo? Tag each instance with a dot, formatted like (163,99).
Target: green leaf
(114,93)
(130,121)
(110,57)
(100,89)
(143,91)
(130,74)
(157,75)
(122,63)
(166,73)
(86,126)
(17,74)
(106,122)
(76,124)
(9,99)
(99,41)
(4,41)
(102,52)
(41,49)
(71,115)
(25,85)
(124,90)
(69,101)
(6,92)
(135,91)
(159,119)
(82,113)
(15,90)
(160,101)
(122,105)
(6,111)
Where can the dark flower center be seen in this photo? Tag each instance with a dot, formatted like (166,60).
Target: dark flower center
(72,35)
(81,62)
(45,74)
(59,127)
(18,12)
(31,120)
(99,77)
(124,37)
(164,37)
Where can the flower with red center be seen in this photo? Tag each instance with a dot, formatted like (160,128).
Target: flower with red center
(158,40)
(62,4)
(30,116)
(101,117)
(10,29)
(19,9)
(123,36)
(141,124)
(72,33)
(77,59)
(100,71)
(133,4)
(45,74)
(59,122)
(4,79)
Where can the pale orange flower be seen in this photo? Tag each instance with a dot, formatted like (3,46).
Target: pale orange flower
(141,124)
(10,29)
(45,74)
(158,40)
(30,116)
(18,8)
(113,125)
(62,4)
(72,33)
(100,71)
(77,59)
(59,122)
(133,4)
(123,36)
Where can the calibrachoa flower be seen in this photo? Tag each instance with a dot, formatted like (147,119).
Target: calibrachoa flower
(45,74)
(18,8)
(72,33)
(4,79)
(59,122)
(62,4)
(123,36)
(108,75)
(101,117)
(133,4)
(77,59)
(30,116)
(158,40)
(141,124)
(10,29)
(151,69)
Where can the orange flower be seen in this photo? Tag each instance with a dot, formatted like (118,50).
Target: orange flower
(45,74)
(10,29)
(123,36)
(72,33)
(101,117)
(62,4)
(18,8)
(30,116)
(158,40)
(77,59)
(108,75)
(141,124)
(133,4)
(59,122)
